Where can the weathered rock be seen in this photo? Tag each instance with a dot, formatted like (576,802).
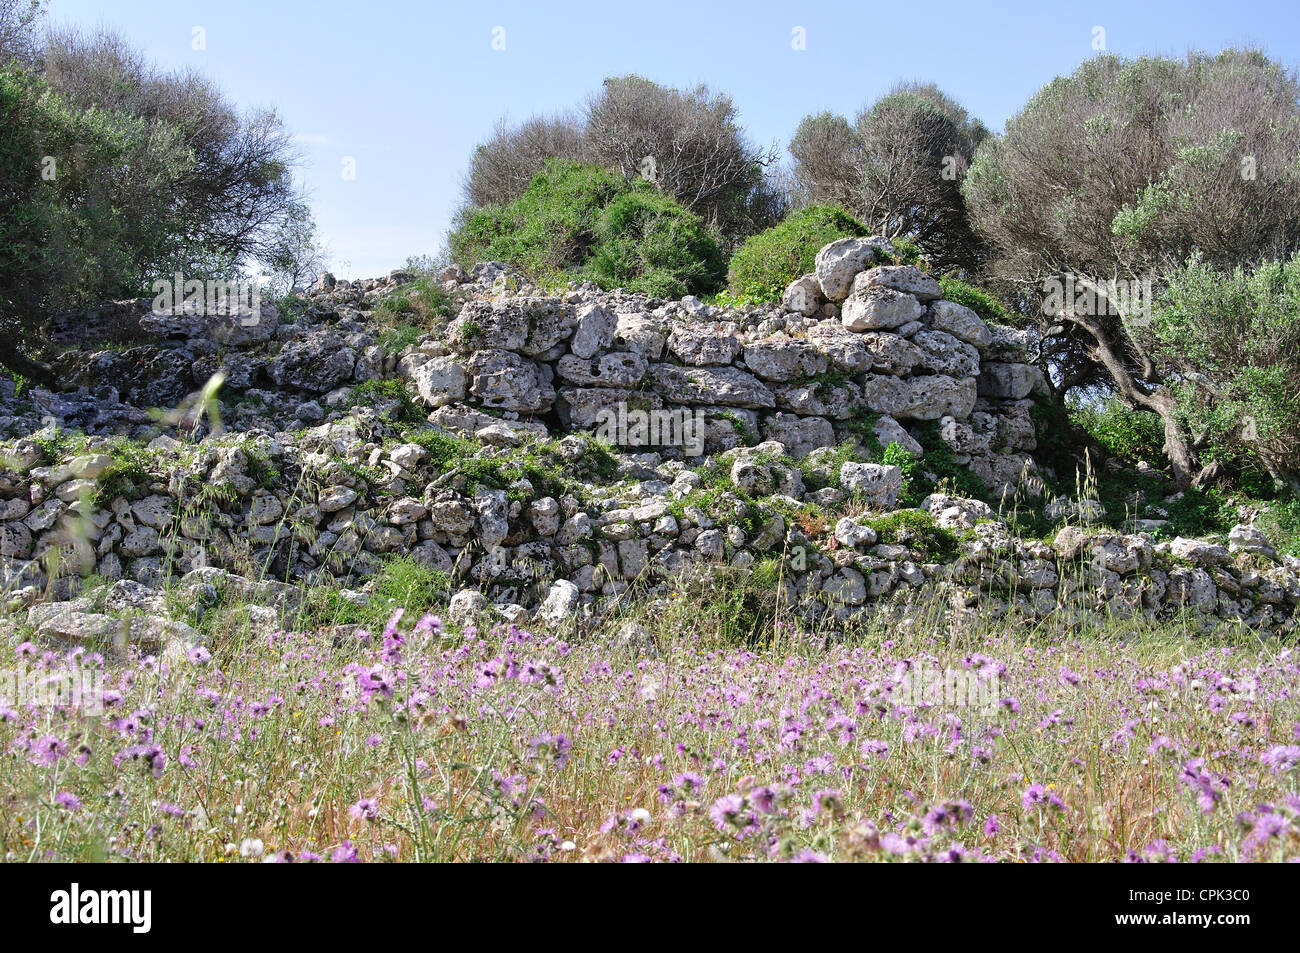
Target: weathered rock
(875,307)
(615,369)
(450,513)
(804,295)
(961,322)
(440,381)
(841,261)
(954,512)
(726,386)
(919,398)
(561,603)
(784,359)
(891,354)
(845,350)
(504,380)
(1200,552)
(334,498)
(819,399)
(317,364)
(15,540)
(941,353)
(1008,473)
(846,587)
(640,334)
(1008,381)
(799,435)
(1248,539)
(907,279)
(597,327)
(1012,345)
(703,345)
(493,517)
(888,430)
(1193,588)
(878,485)
(544,514)
(585,408)
(851,533)
(225,320)
(466,606)
(406,510)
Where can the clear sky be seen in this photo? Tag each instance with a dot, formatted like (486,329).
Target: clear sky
(406,88)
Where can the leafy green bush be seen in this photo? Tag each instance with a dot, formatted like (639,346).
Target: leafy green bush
(977,299)
(763,266)
(548,230)
(1126,433)
(896,455)
(646,242)
(581,221)
(1234,339)
(1281,523)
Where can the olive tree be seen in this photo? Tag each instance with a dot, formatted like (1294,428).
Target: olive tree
(17,36)
(899,169)
(114,173)
(1110,178)
(1232,340)
(237,191)
(502,167)
(688,143)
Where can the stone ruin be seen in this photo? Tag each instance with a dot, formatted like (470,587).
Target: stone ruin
(317,481)
(854,342)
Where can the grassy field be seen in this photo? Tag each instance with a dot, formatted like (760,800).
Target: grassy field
(924,736)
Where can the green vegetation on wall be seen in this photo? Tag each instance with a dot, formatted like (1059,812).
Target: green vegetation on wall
(578,221)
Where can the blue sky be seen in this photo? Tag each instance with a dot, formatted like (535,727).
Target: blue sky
(406,88)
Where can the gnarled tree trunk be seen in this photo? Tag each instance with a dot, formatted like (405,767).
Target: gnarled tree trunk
(21,364)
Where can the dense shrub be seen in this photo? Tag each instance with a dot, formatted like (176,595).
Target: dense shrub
(1234,340)
(687,142)
(115,174)
(84,230)
(763,266)
(548,230)
(502,167)
(576,221)
(1124,432)
(646,242)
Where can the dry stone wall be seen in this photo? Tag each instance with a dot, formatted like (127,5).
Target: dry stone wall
(882,349)
(740,461)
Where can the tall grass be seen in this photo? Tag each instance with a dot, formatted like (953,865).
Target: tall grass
(704,739)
